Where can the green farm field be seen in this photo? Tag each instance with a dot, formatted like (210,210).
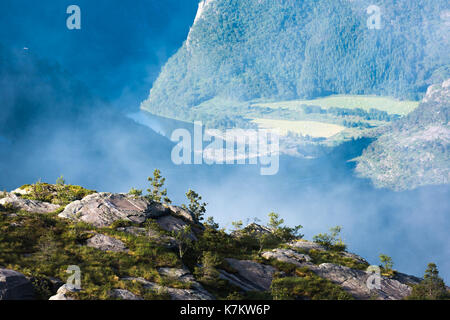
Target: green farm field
(390,105)
(313,129)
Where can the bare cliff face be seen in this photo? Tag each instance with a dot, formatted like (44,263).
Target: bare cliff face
(415,150)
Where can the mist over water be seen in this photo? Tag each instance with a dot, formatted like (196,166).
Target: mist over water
(93,143)
(410,226)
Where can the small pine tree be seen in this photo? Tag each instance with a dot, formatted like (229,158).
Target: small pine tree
(275,221)
(432,287)
(209,263)
(135,192)
(198,209)
(210,223)
(283,233)
(263,241)
(331,240)
(40,191)
(60,181)
(387,264)
(432,272)
(183,239)
(155,192)
(237,225)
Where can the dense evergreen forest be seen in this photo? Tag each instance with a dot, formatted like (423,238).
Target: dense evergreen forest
(291,49)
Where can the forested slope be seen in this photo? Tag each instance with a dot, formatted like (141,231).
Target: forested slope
(415,150)
(243,50)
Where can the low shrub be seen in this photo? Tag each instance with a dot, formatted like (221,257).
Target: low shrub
(307,286)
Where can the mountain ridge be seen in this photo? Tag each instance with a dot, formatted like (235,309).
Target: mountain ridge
(293,49)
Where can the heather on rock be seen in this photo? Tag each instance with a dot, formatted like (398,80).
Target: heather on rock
(128,247)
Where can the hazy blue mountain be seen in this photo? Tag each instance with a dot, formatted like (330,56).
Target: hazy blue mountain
(304,48)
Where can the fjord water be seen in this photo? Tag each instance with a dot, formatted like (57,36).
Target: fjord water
(113,154)
(411,226)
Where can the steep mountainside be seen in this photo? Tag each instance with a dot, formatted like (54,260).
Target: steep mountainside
(243,50)
(415,150)
(130,247)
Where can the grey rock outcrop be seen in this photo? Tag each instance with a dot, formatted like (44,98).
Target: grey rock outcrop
(406,278)
(33,206)
(22,191)
(354,256)
(182,275)
(252,274)
(236,281)
(62,293)
(171,223)
(195,292)
(351,280)
(288,256)
(103,209)
(184,213)
(106,243)
(135,231)
(122,294)
(355,282)
(15,286)
(306,245)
